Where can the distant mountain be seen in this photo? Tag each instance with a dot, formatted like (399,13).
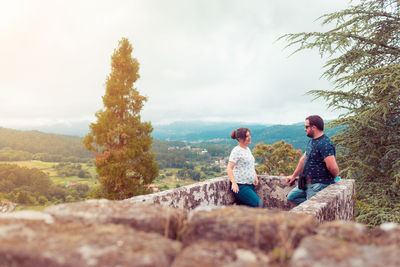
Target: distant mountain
(183,130)
(293,134)
(39,142)
(214,132)
(199,130)
(80,128)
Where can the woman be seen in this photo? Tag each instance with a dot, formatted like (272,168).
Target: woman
(241,170)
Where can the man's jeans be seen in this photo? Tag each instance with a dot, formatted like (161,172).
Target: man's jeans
(298,196)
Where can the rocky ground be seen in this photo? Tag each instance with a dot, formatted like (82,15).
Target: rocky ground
(7,206)
(112,233)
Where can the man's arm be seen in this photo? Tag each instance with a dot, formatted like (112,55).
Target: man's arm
(332,166)
(298,170)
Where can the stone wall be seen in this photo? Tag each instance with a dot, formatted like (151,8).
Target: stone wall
(178,232)
(117,233)
(333,203)
(336,202)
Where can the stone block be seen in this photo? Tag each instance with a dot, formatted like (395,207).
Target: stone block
(221,253)
(213,192)
(37,243)
(336,202)
(255,227)
(145,217)
(345,231)
(332,252)
(386,234)
(273,191)
(349,244)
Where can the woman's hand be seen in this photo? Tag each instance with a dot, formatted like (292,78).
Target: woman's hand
(235,188)
(256,181)
(229,170)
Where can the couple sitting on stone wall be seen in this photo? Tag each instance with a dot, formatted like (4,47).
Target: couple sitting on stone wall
(317,165)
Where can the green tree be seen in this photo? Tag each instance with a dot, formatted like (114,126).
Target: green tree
(125,162)
(25,197)
(279,158)
(364,64)
(216,150)
(32,182)
(42,200)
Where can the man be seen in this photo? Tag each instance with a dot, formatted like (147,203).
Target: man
(318,164)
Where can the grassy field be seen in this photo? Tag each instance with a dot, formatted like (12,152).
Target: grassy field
(27,207)
(48,168)
(169,179)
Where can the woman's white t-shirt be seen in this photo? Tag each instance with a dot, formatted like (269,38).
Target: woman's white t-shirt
(243,171)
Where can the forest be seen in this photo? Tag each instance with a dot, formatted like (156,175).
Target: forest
(42,169)
(70,175)
(34,145)
(30,186)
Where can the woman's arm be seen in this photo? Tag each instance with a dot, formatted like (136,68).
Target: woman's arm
(229,170)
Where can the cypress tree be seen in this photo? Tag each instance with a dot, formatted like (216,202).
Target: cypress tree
(124,160)
(363,49)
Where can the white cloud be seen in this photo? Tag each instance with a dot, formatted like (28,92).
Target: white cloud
(213,60)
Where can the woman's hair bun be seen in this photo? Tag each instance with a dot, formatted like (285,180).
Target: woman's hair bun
(240,133)
(233,134)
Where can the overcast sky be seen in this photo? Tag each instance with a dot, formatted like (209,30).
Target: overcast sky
(215,60)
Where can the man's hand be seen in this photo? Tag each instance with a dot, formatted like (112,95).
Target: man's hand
(290,179)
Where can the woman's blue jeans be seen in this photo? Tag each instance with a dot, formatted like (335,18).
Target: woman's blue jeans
(247,195)
(298,196)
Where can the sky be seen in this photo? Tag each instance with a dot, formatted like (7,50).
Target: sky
(210,60)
